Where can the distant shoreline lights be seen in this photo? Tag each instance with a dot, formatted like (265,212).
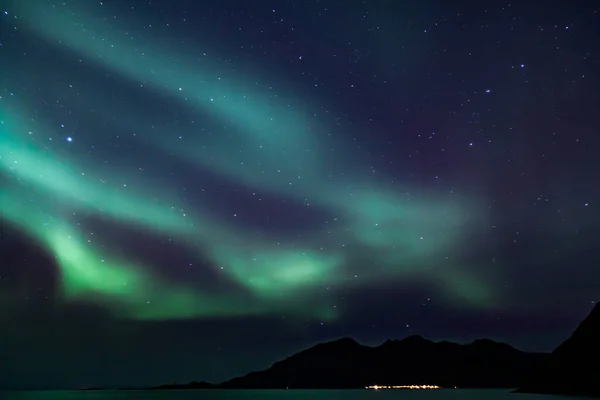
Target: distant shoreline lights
(378,387)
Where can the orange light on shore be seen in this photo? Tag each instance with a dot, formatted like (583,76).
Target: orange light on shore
(378,387)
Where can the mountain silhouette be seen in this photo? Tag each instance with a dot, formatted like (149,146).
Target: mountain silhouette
(573,368)
(345,363)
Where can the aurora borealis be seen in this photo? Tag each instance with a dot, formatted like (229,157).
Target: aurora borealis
(179,164)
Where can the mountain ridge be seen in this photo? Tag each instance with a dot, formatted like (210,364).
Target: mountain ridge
(344,363)
(572,368)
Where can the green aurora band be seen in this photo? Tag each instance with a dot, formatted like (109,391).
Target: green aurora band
(282,154)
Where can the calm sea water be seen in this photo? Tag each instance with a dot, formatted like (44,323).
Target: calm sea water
(455,394)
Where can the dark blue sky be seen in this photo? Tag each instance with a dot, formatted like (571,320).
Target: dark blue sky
(287,172)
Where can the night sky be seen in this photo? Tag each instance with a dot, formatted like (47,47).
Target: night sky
(194,189)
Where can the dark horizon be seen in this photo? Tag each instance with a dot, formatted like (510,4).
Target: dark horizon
(193,190)
(156,384)
(126,386)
